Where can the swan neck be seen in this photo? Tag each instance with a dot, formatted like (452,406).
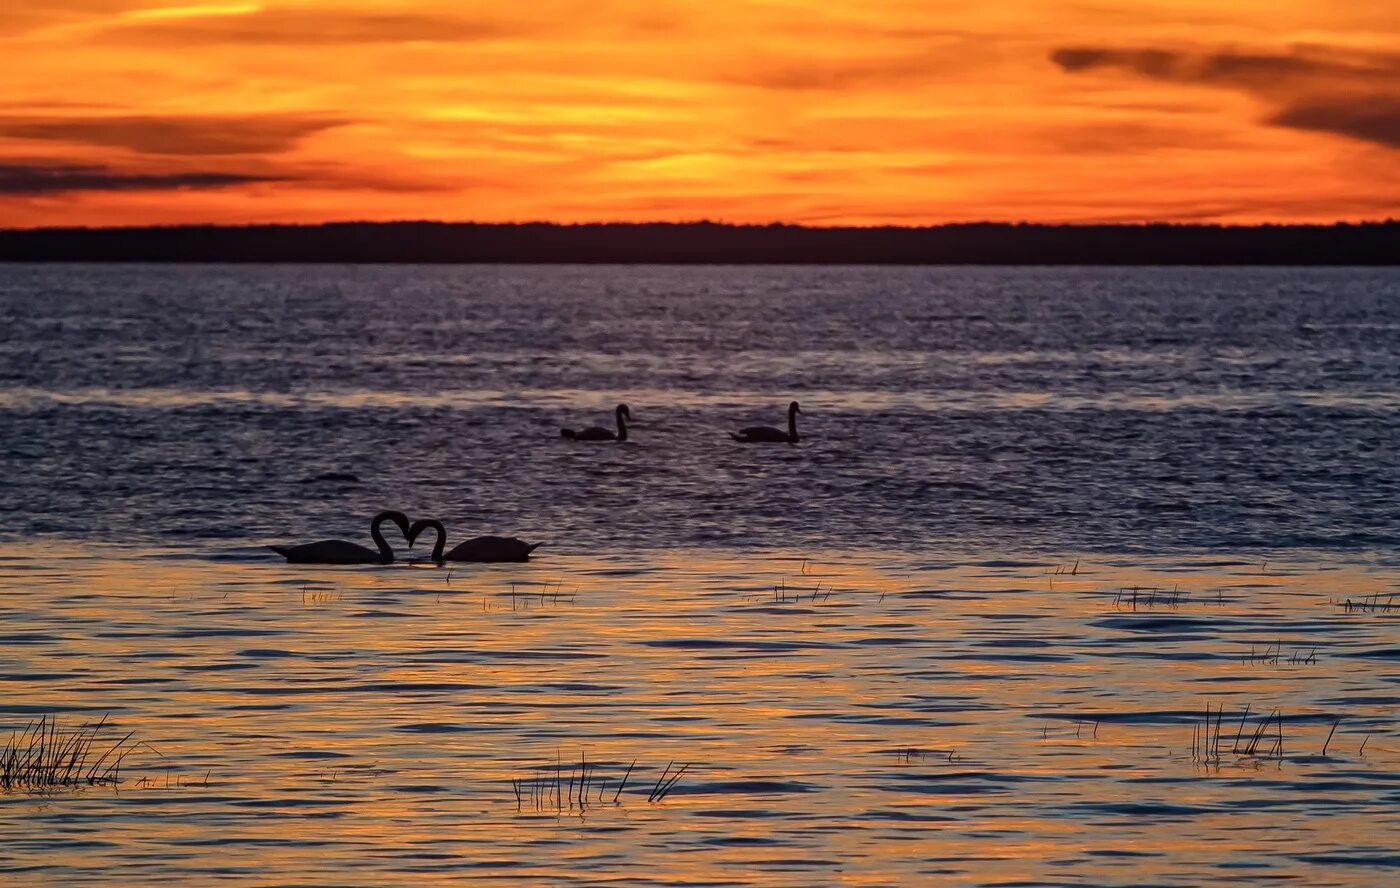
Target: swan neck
(441,540)
(792,425)
(386,554)
(621,426)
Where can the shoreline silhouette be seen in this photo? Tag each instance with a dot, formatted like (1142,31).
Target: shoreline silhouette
(710,243)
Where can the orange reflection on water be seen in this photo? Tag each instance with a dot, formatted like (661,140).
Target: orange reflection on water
(861,718)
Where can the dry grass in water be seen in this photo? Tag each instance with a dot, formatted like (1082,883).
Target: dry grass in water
(550,788)
(45,757)
(1149,597)
(1207,739)
(1368,604)
(1273,656)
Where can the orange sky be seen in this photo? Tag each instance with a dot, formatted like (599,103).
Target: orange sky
(877,111)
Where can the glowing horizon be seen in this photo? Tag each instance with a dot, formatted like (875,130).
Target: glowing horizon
(132,112)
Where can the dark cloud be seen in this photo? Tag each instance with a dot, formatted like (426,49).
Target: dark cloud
(1374,120)
(42,179)
(226,135)
(303,27)
(1254,71)
(1349,94)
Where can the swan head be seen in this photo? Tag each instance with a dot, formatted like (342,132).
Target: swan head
(624,410)
(422,524)
(399,518)
(793,408)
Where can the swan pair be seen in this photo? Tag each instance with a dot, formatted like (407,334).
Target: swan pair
(480,549)
(750,435)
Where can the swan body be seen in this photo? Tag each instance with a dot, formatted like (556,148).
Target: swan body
(344,552)
(598,433)
(768,434)
(480,549)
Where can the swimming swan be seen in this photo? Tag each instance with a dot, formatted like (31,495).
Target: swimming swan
(483,548)
(598,433)
(768,434)
(342,552)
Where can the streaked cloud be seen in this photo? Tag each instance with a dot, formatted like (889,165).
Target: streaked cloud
(30,180)
(171,135)
(750,110)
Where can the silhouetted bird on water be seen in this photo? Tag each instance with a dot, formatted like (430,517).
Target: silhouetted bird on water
(482,548)
(598,433)
(768,434)
(343,552)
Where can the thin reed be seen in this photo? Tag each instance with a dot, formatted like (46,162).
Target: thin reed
(1369,603)
(577,787)
(1207,737)
(46,757)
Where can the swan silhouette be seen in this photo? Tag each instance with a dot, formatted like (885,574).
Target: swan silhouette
(768,434)
(598,433)
(343,552)
(482,548)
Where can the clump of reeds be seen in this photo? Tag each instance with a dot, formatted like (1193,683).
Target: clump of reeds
(1369,603)
(1064,570)
(550,594)
(548,789)
(782,595)
(1149,597)
(1207,744)
(913,754)
(45,757)
(1273,656)
(319,596)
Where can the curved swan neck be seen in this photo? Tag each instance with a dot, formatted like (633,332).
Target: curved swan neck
(386,554)
(441,539)
(621,423)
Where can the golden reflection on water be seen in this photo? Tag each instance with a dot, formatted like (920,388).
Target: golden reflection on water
(855,719)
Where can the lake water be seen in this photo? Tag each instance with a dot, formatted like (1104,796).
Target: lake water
(965,632)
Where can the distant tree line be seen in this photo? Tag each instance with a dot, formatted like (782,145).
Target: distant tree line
(1372,243)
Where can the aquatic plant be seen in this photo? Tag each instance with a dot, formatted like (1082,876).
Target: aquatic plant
(1207,744)
(545,788)
(1149,597)
(781,594)
(1368,603)
(1063,570)
(550,593)
(45,757)
(1273,656)
(1328,741)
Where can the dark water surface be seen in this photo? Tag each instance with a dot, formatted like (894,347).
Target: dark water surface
(1036,409)
(966,632)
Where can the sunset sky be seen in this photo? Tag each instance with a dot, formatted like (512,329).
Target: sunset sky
(878,111)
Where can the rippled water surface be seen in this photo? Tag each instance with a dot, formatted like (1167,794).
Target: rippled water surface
(965,632)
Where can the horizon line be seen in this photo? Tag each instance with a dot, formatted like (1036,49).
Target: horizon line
(971,223)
